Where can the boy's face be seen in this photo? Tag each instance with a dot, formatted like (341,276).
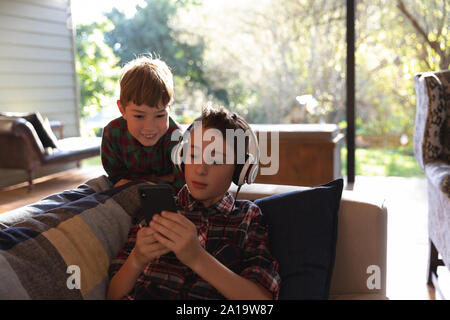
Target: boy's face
(207,183)
(147,125)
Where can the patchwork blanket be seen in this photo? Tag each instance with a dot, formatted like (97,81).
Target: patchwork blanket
(61,247)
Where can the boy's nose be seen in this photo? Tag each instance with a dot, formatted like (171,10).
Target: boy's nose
(202,169)
(149,125)
(149,122)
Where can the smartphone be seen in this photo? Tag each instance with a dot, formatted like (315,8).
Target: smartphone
(156,198)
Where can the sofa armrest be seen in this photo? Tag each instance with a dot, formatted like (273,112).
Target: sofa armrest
(361,249)
(19,127)
(21,144)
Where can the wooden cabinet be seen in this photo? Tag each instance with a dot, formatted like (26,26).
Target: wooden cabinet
(309,154)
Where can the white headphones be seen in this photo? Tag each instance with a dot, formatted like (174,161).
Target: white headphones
(243,173)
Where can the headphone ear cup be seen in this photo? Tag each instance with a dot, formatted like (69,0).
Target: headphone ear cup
(182,142)
(247,172)
(179,156)
(253,172)
(242,171)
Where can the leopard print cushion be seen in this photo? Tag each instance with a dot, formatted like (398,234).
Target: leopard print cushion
(432,127)
(444,76)
(436,144)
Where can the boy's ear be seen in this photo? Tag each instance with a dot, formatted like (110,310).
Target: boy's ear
(121,109)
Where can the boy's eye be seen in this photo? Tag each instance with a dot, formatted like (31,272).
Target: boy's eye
(161,115)
(138,116)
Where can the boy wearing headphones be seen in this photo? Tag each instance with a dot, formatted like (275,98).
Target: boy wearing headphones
(214,247)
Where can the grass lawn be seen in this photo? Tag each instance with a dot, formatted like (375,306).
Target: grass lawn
(383,162)
(94,161)
(369,162)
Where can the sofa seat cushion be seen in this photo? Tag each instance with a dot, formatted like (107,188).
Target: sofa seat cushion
(303,233)
(74,148)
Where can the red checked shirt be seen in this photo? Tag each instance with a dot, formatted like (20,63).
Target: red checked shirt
(237,239)
(123,157)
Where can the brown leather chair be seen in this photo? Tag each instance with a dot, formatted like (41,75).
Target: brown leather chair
(21,148)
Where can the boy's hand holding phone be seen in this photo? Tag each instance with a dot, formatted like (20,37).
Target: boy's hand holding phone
(179,234)
(147,248)
(171,230)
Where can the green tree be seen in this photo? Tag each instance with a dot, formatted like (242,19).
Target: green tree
(274,51)
(396,40)
(96,67)
(269,53)
(150,30)
(429,21)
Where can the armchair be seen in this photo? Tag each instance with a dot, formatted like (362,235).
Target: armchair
(23,148)
(432,151)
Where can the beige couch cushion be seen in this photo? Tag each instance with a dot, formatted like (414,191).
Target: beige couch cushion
(361,243)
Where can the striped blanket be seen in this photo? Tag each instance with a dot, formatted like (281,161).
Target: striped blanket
(61,247)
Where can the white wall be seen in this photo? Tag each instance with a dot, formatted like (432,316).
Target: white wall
(37,67)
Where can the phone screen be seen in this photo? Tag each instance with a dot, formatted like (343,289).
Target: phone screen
(156,198)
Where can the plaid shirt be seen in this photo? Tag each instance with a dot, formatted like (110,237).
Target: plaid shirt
(123,157)
(238,239)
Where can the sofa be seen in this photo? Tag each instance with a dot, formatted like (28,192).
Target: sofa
(340,251)
(361,241)
(28,143)
(432,151)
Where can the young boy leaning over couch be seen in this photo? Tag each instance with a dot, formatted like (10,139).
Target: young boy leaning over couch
(213,248)
(138,145)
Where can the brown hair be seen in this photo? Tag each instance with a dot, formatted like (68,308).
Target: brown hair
(223,119)
(146,80)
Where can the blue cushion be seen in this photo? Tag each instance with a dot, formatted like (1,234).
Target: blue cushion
(302,236)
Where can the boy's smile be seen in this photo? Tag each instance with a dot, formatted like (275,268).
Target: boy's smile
(146,124)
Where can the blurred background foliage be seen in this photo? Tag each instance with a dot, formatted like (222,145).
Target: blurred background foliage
(96,66)
(276,61)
